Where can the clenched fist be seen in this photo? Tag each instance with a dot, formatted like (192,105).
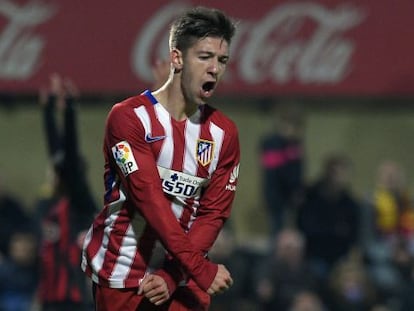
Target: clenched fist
(221,282)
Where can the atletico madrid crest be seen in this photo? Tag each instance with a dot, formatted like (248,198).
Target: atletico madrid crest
(205,150)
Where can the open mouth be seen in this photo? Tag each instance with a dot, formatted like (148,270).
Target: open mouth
(208,87)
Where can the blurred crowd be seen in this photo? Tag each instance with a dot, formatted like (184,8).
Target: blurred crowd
(327,249)
(41,245)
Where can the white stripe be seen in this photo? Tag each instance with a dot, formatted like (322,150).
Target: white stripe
(177,209)
(218,136)
(192,133)
(142,114)
(97,261)
(86,242)
(88,238)
(195,207)
(123,263)
(165,158)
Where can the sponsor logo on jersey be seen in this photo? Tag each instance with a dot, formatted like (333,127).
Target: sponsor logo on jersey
(180,184)
(231,186)
(151,139)
(123,156)
(205,151)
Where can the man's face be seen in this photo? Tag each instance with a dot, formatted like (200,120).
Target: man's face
(203,66)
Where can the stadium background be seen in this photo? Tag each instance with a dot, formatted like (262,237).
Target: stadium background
(367,131)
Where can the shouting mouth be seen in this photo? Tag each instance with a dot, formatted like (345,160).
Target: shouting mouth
(208,88)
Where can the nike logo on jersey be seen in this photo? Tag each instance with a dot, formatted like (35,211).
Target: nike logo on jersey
(151,139)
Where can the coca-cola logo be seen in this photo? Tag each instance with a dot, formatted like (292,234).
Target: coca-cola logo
(302,42)
(20,46)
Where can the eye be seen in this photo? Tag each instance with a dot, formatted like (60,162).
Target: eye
(223,60)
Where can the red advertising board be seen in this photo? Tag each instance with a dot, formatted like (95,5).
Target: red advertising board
(330,47)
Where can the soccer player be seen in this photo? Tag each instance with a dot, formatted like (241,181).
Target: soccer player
(171,169)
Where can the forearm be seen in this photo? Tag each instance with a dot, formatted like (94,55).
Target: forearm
(50,127)
(161,218)
(202,235)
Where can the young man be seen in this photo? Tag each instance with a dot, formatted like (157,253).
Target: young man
(171,168)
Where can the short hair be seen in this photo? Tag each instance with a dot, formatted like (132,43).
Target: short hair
(197,23)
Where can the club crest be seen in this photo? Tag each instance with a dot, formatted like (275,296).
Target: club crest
(205,151)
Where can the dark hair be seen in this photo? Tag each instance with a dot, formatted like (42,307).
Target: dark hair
(197,23)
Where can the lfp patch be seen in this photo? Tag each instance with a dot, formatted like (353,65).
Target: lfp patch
(124,158)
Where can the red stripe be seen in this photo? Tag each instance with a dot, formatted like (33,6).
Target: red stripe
(156,130)
(115,243)
(48,266)
(187,212)
(97,236)
(63,277)
(63,215)
(75,294)
(178,128)
(61,282)
(136,274)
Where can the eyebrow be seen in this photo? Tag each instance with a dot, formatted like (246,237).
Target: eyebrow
(213,54)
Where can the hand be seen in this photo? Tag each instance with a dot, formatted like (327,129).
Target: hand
(70,88)
(154,288)
(59,87)
(55,88)
(81,238)
(221,282)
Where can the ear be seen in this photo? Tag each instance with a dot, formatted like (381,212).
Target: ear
(176,59)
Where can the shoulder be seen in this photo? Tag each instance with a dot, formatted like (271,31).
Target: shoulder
(217,117)
(129,104)
(125,110)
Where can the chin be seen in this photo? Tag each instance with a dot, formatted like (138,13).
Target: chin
(202,101)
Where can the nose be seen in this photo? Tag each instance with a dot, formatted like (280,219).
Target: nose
(214,67)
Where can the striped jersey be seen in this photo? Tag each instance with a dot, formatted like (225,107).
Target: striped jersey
(167,180)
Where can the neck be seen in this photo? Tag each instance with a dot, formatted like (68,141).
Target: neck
(172,99)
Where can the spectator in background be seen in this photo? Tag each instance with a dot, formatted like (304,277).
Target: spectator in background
(392,203)
(227,251)
(19,272)
(284,273)
(64,216)
(350,287)
(281,153)
(406,293)
(307,301)
(329,215)
(13,218)
(389,227)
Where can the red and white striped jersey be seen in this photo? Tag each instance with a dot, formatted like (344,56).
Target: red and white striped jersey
(166,180)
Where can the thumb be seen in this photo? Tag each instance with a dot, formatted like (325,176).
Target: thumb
(142,282)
